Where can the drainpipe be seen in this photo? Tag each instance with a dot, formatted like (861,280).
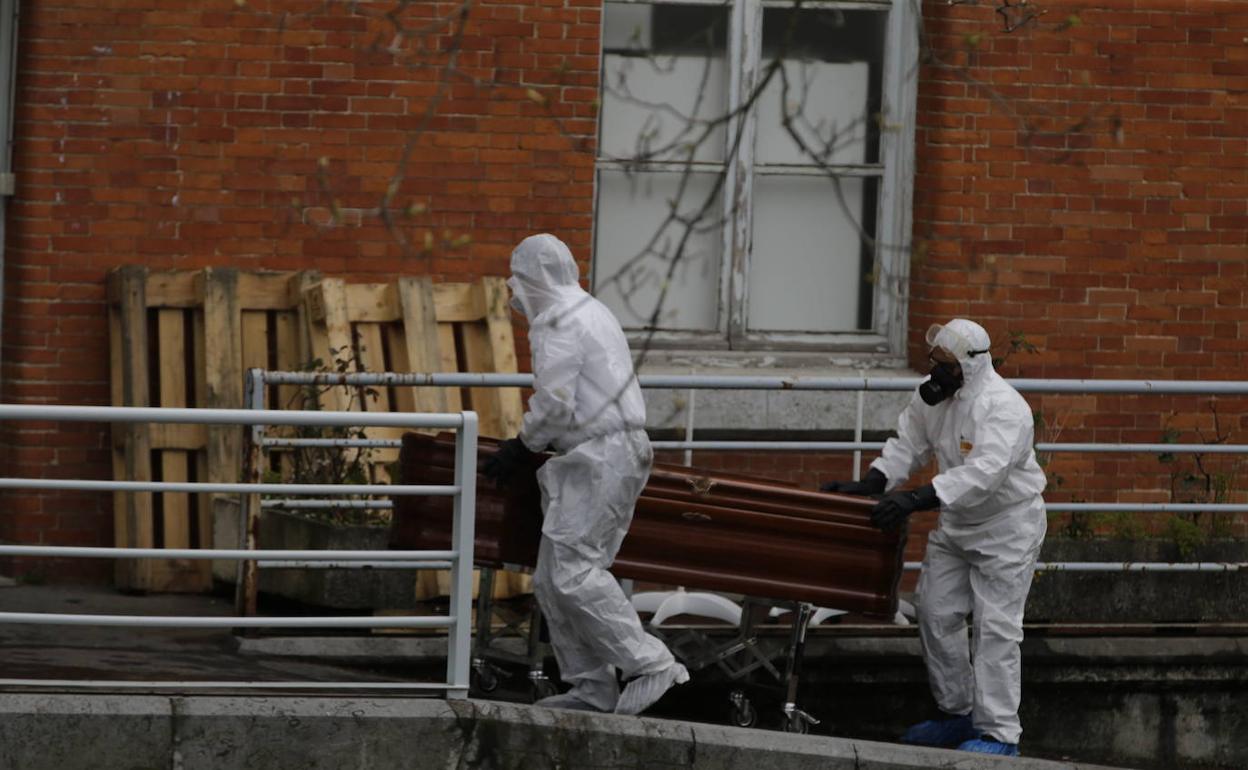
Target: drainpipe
(8,78)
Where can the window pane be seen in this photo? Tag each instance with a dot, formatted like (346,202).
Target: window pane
(809,268)
(832,68)
(631,263)
(664,81)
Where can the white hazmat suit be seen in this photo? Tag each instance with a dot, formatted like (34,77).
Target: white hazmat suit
(588,406)
(981,557)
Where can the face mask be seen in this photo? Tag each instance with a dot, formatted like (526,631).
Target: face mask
(941,385)
(515,303)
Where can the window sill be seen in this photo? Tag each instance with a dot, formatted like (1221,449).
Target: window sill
(774,362)
(752,413)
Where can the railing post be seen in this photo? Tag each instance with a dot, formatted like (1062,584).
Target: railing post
(246,587)
(689,423)
(459,650)
(858,436)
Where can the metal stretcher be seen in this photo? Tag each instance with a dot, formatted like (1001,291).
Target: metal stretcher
(778,547)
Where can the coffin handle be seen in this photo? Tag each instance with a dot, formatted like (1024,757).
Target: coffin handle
(701,485)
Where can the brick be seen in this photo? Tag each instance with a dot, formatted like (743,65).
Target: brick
(1113,232)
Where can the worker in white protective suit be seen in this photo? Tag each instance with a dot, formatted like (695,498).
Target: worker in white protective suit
(587,406)
(981,557)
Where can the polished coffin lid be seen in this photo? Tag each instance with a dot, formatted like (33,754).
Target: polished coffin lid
(703,530)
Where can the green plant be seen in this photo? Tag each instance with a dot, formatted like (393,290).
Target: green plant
(1125,525)
(1047,431)
(330,464)
(1186,534)
(1201,478)
(1076,525)
(1018,344)
(1087,525)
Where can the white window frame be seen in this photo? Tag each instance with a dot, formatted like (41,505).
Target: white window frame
(894,172)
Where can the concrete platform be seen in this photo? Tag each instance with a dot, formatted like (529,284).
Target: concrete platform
(95,732)
(864,687)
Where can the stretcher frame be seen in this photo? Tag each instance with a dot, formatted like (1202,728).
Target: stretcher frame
(772,523)
(737,657)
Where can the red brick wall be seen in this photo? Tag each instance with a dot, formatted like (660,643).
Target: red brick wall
(1081,181)
(1086,184)
(183,135)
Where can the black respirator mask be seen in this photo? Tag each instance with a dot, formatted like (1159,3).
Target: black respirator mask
(943,383)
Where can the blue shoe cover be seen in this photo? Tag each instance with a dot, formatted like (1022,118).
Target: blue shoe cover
(989,745)
(946,733)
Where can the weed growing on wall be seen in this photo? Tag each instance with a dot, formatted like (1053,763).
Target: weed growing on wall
(1200,477)
(334,464)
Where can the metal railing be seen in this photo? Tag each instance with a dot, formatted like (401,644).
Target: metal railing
(459,558)
(258,379)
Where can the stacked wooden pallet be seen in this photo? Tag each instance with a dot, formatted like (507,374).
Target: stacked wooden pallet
(413,325)
(185,338)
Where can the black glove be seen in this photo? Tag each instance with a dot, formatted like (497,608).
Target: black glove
(873,484)
(891,512)
(512,455)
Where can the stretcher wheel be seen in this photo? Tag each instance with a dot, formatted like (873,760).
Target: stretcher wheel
(795,724)
(742,713)
(485,679)
(544,688)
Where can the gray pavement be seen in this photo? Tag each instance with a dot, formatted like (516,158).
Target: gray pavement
(35,651)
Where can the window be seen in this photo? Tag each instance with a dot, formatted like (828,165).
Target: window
(753,172)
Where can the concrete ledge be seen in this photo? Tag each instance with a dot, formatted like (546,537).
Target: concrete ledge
(1037,650)
(137,732)
(412,650)
(1146,702)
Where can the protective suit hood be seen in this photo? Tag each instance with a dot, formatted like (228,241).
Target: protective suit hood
(969,343)
(543,275)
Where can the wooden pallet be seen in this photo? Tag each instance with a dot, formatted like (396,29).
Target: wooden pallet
(178,339)
(185,338)
(414,325)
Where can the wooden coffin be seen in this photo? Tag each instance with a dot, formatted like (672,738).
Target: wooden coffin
(702,530)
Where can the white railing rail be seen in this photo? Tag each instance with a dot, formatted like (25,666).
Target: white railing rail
(749,382)
(459,558)
(259,378)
